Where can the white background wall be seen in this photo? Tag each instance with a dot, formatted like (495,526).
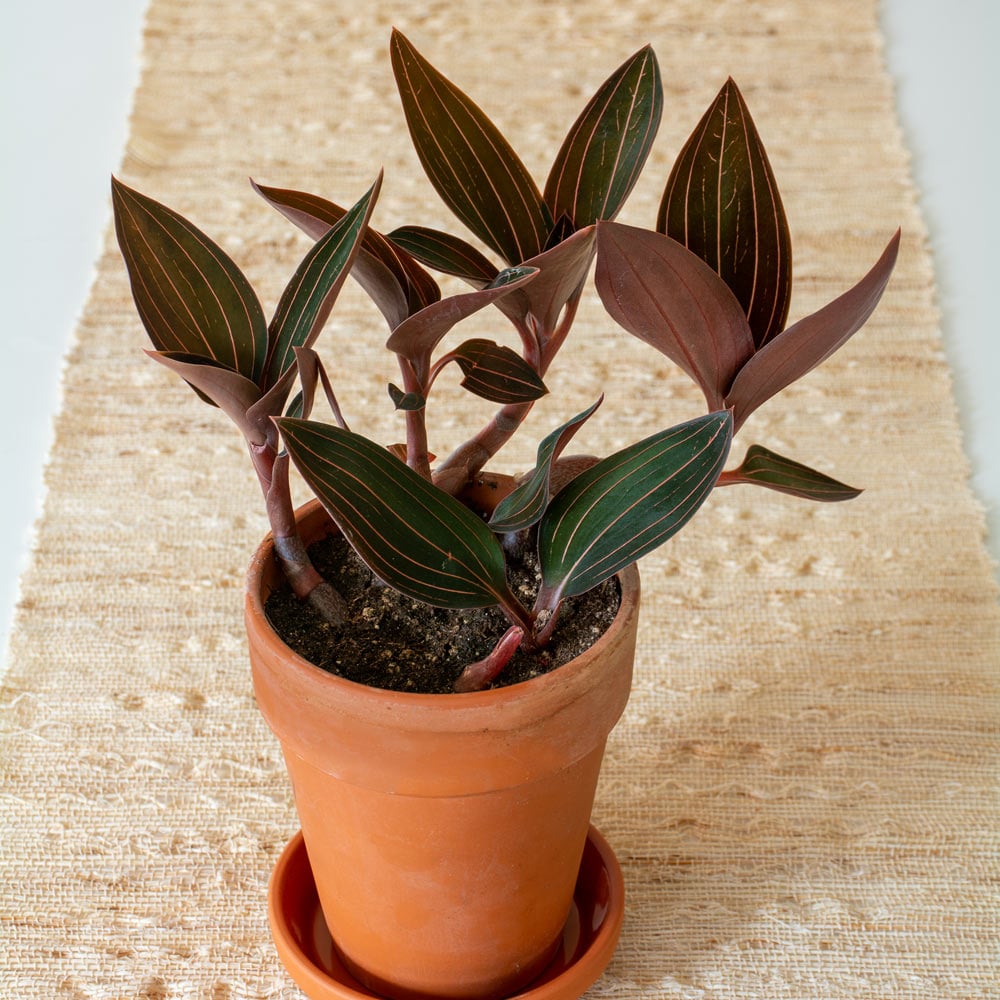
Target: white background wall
(67,70)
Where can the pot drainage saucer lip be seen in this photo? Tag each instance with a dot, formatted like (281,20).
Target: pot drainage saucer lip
(588,941)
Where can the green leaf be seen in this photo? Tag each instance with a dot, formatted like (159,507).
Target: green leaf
(297,407)
(628,504)
(471,165)
(444,252)
(406,400)
(412,535)
(512,275)
(722,203)
(767,468)
(395,282)
(805,344)
(605,150)
(664,295)
(562,229)
(308,298)
(497,373)
(525,505)
(191,297)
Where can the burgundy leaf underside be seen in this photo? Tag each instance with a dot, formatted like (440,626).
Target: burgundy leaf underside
(419,334)
(805,344)
(224,388)
(669,298)
(562,271)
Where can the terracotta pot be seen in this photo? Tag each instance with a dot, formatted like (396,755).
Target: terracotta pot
(444,832)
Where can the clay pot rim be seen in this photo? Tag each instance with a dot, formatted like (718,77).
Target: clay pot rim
(455,706)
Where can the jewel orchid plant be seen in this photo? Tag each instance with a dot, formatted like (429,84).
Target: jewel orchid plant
(709,287)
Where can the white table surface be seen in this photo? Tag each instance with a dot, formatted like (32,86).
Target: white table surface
(68,69)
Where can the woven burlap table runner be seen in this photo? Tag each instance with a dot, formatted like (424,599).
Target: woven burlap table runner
(802,792)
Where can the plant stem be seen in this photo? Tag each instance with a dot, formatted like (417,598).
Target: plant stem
(302,576)
(539,349)
(545,614)
(417,455)
(471,456)
(479,675)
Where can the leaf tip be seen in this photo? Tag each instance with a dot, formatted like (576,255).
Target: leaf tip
(648,53)
(120,192)
(399,44)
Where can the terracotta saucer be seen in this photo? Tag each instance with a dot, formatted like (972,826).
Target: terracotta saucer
(589,937)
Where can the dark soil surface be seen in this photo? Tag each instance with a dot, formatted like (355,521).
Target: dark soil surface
(391,641)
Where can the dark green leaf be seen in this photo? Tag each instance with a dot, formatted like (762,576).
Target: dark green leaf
(526,504)
(512,275)
(406,400)
(722,203)
(497,373)
(191,297)
(308,298)
(666,296)
(628,504)
(297,408)
(471,165)
(767,468)
(805,344)
(444,252)
(415,537)
(562,229)
(396,283)
(604,152)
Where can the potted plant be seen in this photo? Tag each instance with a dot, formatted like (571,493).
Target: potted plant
(445,811)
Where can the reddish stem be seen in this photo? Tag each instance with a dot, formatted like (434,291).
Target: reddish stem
(539,348)
(470,457)
(545,613)
(302,576)
(417,455)
(479,675)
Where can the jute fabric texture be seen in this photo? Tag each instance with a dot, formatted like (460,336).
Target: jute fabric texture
(802,792)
